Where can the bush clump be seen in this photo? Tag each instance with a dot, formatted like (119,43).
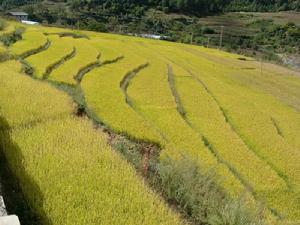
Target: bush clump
(3,24)
(198,193)
(11,38)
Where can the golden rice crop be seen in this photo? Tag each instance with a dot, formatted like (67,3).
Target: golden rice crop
(59,48)
(251,113)
(250,120)
(85,54)
(107,51)
(31,39)
(2,49)
(68,173)
(104,96)
(206,117)
(10,27)
(156,103)
(283,84)
(19,90)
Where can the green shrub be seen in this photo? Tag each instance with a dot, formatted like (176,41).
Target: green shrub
(27,68)
(199,195)
(3,24)
(208,30)
(10,38)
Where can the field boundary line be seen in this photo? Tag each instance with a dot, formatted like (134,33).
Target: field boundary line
(93,65)
(124,84)
(87,68)
(37,50)
(59,62)
(227,119)
(231,168)
(127,78)
(34,123)
(175,94)
(276,125)
(204,139)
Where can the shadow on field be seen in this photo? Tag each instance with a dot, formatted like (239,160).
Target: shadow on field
(11,165)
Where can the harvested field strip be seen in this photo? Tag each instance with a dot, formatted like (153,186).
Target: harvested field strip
(104,97)
(69,157)
(32,43)
(114,60)
(58,49)
(58,63)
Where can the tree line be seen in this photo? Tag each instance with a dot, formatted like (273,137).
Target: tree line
(195,7)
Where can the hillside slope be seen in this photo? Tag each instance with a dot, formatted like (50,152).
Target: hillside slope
(226,112)
(66,170)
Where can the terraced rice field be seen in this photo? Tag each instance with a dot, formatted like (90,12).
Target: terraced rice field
(32,39)
(44,60)
(237,116)
(52,152)
(85,55)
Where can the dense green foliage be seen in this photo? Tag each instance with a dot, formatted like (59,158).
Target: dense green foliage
(276,37)
(138,7)
(10,38)
(264,5)
(198,193)
(157,17)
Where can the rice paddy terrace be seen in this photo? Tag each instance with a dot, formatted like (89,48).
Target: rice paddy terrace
(236,116)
